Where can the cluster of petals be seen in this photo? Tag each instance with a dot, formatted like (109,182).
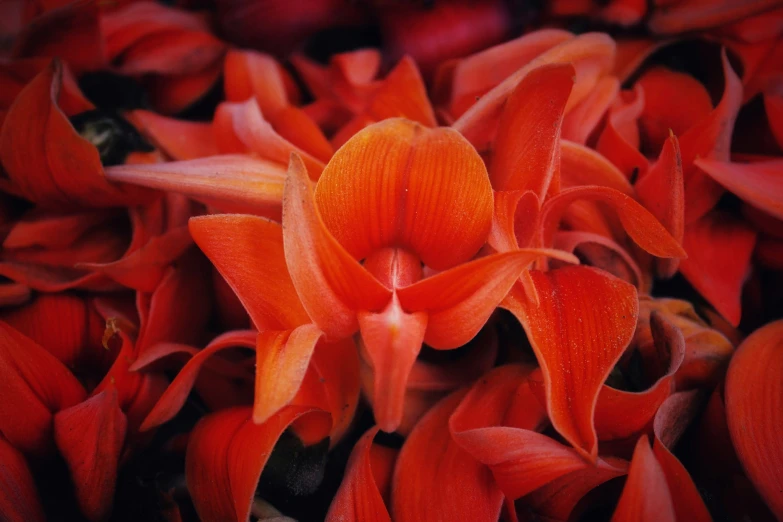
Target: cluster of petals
(514,277)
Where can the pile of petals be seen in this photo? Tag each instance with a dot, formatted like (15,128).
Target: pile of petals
(391,261)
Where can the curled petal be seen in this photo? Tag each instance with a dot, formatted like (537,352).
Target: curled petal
(250,74)
(225,457)
(19,501)
(759,184)
(241,127)
(557,499)
(233,182)
(717,276)
(603,253)
(459,301)
(591,55)
(673,102)
(585,117)
(619,140)
(44,156)
(248,252)
(331,284)
(710,139)
(399,184)
(282,359)
(161,319)
(335,370)
(90,436)
(521,459)
(580,328)
(687,502)
(642,226)
(435,479)
(662,191)
(580,165)
(754,396)
(40,386)
(513,221)
(174,398)
(359,498)
(527,146)
(621,414)
(144,268)
(646,493)
(474,75)
(296,126)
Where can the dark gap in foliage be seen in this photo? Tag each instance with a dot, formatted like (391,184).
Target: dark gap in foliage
(111,91)
(111,134)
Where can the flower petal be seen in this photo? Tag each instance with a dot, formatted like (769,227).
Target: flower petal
(459,301)
(282,358)
(527,145)
(398,184)
(250,74)
(392,340)
(601,252)
(513,221)
(662,191)
(248,252)
(688,504)
(70,31)
(19,499)
(688,16)
(621,414)
(225,457)
(435,479)
(162,319)
(760,184)
(474,75)
(232,182)
(585,117)
(65,325)
(646,493)
(580,328)
(521,459)
(673,103)
(332,285)
(557,499)
(710,139)
(591,55)
(619,140)
(717,276)
(40,386)
(241,127)
(175,395)
(642,226)
(754,411)
(359,497)
(13,294)
(178,139)
(44,156)
(90,437)
(335,367)
(174,94)
(402,94)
